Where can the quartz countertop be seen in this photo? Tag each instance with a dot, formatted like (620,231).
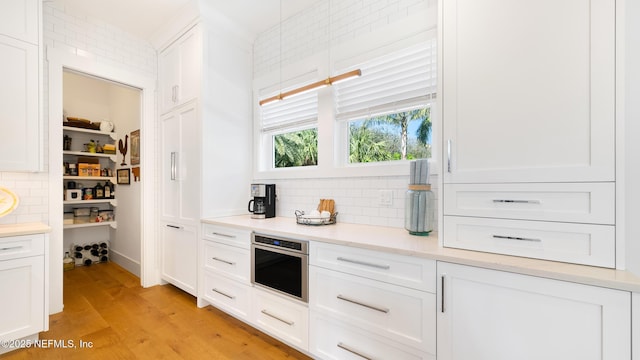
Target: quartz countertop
(399,241)
(23,229)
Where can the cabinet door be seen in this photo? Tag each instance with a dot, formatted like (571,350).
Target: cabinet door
(494,315)
(179,249)
(179,71)
(528,90)
(180,169)
(20,19)
(19,113)
(22,305)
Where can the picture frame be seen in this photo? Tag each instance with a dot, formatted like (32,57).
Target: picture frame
(135,147)
(124,176)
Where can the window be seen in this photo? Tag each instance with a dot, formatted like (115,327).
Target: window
(290,131)
(386,112)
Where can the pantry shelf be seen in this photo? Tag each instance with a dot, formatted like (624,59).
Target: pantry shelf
(99,178)
(85,153)
(112,135)
(113,224)
(113,202)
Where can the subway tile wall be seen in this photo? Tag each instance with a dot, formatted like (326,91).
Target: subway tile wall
(357,199)
(303,35)
(82,36)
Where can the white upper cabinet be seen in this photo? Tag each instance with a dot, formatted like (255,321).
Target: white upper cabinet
(179,70)
(528,90)
(19,19)
(20,139)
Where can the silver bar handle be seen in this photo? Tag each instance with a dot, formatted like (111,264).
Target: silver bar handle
(378,266)
(264,311)
(223,261)
(508,201)
(174,168)
(442,279)
(516,238)
(353,351)
(449,156)
(174,226)
(11,248)
(223,294)
(372,307)
(224,235)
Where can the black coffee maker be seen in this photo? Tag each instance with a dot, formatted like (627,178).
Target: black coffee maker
(264,201)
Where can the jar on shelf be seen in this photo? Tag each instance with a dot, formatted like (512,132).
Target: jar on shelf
(419,210)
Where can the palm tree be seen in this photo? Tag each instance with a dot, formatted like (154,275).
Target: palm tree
(402,120)
(366,145)
(298,148)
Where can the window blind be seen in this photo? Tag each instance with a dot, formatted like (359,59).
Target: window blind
(297,112)
(394,82)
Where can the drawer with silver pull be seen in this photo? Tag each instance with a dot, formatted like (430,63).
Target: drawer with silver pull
(15,247)
(585,244)
(227,235)
(281,317)
(227,260)
(333,339)
(228,295)
(396,269)
(592,203)
(404,315)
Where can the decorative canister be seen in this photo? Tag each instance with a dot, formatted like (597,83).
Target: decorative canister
(419,210)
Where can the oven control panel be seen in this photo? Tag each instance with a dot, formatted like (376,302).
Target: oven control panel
(295,245)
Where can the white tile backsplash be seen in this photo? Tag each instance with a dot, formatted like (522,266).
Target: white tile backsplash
(357,199)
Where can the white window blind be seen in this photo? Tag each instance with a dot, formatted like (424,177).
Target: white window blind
(394,82)
(295,113)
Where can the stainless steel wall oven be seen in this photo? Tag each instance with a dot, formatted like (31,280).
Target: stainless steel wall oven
(281,264)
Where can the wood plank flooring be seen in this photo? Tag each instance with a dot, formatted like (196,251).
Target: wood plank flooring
(104,304)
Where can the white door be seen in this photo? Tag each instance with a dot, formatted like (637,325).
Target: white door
(493,315)
(528,90)
(19,113)
(22,305)
(180,169)
(179,249)
(179,71)
(20,19)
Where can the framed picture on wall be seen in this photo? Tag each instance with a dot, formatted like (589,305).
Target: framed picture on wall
(124,176)
(135,147)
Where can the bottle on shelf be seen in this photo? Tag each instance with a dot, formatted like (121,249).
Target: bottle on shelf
(98,191)
(107,190)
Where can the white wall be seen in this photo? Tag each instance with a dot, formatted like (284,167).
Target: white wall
(357,29)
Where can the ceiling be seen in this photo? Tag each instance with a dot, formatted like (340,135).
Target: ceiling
(143,18)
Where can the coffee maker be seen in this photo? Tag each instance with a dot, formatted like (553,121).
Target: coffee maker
(264,201)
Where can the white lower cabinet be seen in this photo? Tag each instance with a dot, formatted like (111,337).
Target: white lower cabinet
(635,326)
(179,256)
(23,278)
(494,315)
(358,311)
(285,319)
(228,295)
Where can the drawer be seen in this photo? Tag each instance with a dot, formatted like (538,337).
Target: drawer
(287,320)
(333,339)
(395,269)
(227,260)
(574,243)
(227,235)
(592,203)
(15,247)
(228,295)
(404,315)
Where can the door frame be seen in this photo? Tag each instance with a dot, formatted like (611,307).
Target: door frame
(58,61)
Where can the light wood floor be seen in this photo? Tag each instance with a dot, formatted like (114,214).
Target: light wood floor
(106,305)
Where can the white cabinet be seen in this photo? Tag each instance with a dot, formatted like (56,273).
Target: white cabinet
(20,134)
(23,278)
(180,168)
(281,317)
(225,265)
(179,251)
(529,128)
(494,315)
(179,70)
(20,19)
(635,326)
(359,294)
(524,102)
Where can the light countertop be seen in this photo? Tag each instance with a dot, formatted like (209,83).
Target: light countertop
(399,241)
(23,229)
